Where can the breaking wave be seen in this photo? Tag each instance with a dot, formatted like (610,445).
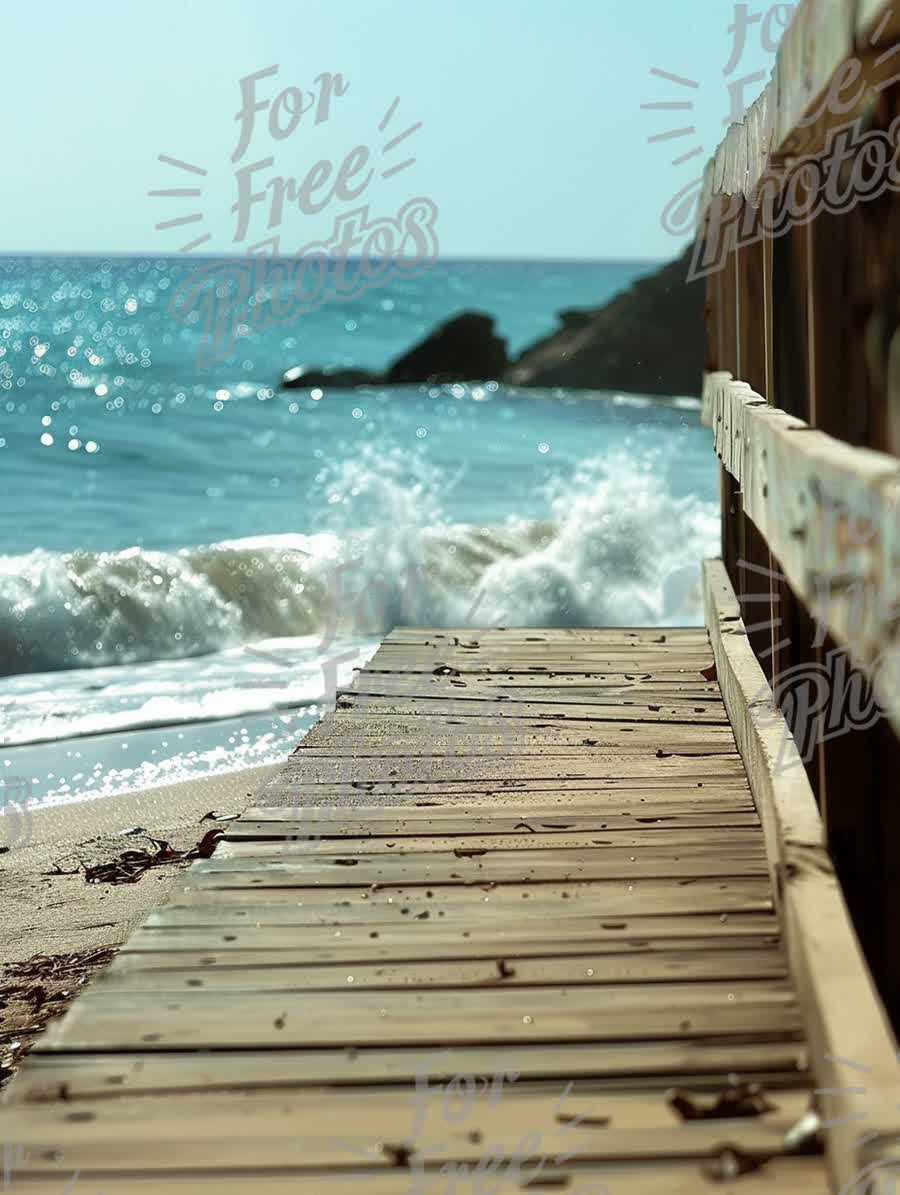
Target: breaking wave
(142,638)
(616,549)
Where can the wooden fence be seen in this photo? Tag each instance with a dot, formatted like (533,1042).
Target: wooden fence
(803,396)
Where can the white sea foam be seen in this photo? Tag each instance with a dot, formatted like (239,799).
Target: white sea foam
(144,638)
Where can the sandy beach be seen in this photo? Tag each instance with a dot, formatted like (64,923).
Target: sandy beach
(56,927)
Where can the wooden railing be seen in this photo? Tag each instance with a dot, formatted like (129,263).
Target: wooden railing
(830,515)
(847,1030)
(802,394)
(832,58)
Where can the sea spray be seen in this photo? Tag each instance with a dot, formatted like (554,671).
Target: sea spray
(247,625)
(617,549)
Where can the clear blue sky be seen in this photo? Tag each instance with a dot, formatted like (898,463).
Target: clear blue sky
(533,141)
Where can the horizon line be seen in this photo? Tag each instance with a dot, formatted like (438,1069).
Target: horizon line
(234,257)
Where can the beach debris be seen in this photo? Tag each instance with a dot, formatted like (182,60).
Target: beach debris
(71,966)
(397,1155)
(58,870)
(805,1137)
(34,991)
(730,1163)
(129,866)
(740,1101)
(586,1122)
(213,816)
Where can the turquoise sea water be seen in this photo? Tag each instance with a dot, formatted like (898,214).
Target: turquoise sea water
(190,556)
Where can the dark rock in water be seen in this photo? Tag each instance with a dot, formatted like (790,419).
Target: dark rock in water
(303,377)
(463,349)
(648,340)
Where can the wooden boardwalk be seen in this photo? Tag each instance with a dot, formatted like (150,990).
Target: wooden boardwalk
(555,909)
(504,921)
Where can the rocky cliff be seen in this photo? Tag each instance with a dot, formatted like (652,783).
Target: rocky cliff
(647,340)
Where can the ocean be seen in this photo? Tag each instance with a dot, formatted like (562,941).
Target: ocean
(191,558)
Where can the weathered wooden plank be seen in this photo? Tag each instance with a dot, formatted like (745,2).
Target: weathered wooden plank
(174,973)
(603,962)
(618,794)
(519,704)
(538,635)
(545,637)
(562,686)
(603,808)
(559,687)
(296,839)
(493,866)
(108,1021)
(616,898)
(562,826)
(552,789)
(366,728)
(581,806)
(287,1152)
(344,920)
(500,931)
(619,1065)
(656,676)
(310,1130)
(501,746)
(368,1007)
(488,718)
(830,514)
(453,735)
(601,766)
(781,1176)
(614,645)
(624,668)
(446,666)
(658,666)
(610,641)
(661,648)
